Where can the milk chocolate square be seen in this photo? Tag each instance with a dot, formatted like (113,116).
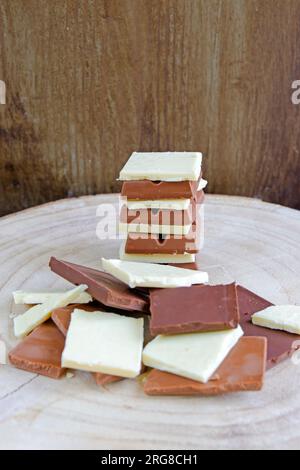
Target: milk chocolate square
(145,189)
(101,286)
(195,308)
(137,243)
(281,344)
(242,370)
(40,352)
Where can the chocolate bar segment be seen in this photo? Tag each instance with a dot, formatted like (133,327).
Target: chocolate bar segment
(102,286)
(191,309)
(157,217)
(40,352)
(145,189)
(242,370)
(169,244)
(281,344)
(62,318)
(163,216)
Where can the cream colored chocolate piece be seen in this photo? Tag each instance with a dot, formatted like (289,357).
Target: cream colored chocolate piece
(194,355)
(32,298)
(152,275)
(285,317)
(162,166)
(162,204)
(155,228)
(159,258)
(202,184)
(3,353)
(104,342)
(25,323)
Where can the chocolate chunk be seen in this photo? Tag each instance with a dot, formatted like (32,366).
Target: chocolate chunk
(40,352)
(102,286)
(163,216)
(62,318)
(145,190)
(191,309)
(281,344)
(242,370)
(169,244)
(105,379)
(158,217)
(193,266)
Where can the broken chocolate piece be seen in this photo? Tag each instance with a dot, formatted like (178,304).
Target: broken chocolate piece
(163,216)
(145,189)
(102,286)
(242,370)
(40,352)
(281,344)
(62,318)
(191,309)
(169,244)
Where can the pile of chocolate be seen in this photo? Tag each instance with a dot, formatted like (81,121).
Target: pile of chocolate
(173,313)
(148,314)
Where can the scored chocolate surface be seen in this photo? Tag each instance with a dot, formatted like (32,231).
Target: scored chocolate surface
(101,286)
(40,352)
(195,308)
(151,190)
(242,370)
(281,344)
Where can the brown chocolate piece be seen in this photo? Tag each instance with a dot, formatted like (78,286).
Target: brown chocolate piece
(62,318)
(242,370)
(40,352)
(105,379)
(151,190)
(157,217)
(281,344)
(193,266)
(195,308)
(153,243)
(163,216)
(101,286)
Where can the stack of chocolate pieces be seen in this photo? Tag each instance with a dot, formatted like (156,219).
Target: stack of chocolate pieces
(162,207)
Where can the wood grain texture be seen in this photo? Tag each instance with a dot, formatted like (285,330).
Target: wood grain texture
(90,81)
(252,242)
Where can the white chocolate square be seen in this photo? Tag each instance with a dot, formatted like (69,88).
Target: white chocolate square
(162,166)
(202,184)
(152,275)
(194,355)
(285,318)
(104,342)
(25,323)
(32,298)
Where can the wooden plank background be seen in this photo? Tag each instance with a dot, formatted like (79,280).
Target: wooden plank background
(90,81)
